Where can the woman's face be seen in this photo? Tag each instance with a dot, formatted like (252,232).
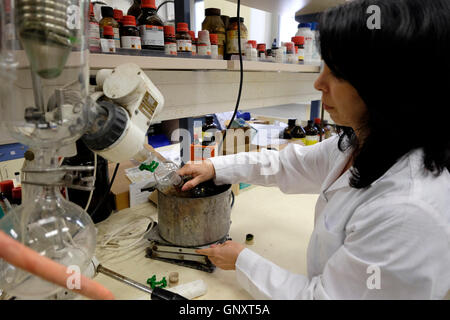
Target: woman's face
(341,100)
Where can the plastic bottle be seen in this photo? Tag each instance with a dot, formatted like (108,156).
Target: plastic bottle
(184,40)
(151,26)
(290,53)
(251,53)
(170,42)
(129,34)
(304,30)
(300,45)
(108,20)
(195,42)
(108,42)
(261,47)
(214,39)
(312,134)
(316,57)
(94,31)
(204,43)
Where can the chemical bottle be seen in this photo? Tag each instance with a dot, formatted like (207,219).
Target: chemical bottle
(94,31)
(304,30)
(204,43)
(287,133)
(195,42)
(151,26)
(317,125)
(328,131)
(108,20)
(214,39)
(184,40)
(316,57)
(170,42)
(208,131)
(129,34)
(118,16)
(312,134)
(300,45)
(298,133)
(135,9)
(215,25)
(107,42)
(261,47)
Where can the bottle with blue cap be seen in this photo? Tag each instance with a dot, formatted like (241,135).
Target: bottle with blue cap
(304,30)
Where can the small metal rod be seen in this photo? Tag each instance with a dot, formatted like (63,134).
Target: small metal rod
(37,91)
(124,279)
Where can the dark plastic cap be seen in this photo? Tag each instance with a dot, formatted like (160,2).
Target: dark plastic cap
(235,19)
(107,12)
(291,122)
(212,12)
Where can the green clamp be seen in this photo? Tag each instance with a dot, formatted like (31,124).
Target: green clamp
(157,284)
(149,167)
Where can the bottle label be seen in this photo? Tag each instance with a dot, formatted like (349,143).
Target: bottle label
(130,42)
(215,51)
(152,35)
(194,49)
(184,45)
(148,106)
(94,35)
(117,37)
(108,45)
(170,48)
(310,140)
(204,50)
(222,43)
(303,140)
(232,42)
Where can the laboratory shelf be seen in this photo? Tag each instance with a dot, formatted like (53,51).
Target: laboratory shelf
(234,65)
(291,6)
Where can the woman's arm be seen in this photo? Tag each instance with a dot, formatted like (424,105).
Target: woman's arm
(295,169)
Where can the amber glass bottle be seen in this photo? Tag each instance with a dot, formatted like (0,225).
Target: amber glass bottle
(151,27)
(135,9)
(108,20)
(214,24)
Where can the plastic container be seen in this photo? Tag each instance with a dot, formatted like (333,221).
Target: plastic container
(215,25)
(151,27)
(214,39)
(129,34)
(184,40)
(194,42)
(94,31)
(304,30)
(204,43)
(170,42)
(108,20)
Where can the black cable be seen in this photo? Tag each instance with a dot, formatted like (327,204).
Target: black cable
(241,81)
(165,2)
(105,196)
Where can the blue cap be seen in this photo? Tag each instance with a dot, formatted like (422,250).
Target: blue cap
(305,25)
(314,26)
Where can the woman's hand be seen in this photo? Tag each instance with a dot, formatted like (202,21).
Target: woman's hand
(223,255)
(200,172)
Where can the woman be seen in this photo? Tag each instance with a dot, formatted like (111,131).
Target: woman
(384,183)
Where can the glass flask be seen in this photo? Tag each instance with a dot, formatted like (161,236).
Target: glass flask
(44,86)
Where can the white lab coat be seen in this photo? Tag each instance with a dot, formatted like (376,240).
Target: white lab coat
(394,236)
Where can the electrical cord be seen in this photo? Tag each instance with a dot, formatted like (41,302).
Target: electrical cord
(165,2)
(241,79)
(105,196)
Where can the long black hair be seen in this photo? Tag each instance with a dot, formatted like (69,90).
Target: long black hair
(401,70)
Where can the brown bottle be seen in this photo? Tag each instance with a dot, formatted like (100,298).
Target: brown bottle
(151,27)
(135,9)
(287,133)
(214,24)
(312,134)
(184,40)
(108,20)
(208,131)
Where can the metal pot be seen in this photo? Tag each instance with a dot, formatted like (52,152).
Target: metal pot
(194,222)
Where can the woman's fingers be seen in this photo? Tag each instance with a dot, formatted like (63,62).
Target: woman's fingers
(191,183)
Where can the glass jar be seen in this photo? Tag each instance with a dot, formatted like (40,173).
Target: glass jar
(151,27)
(233,38)
(170,42)
(214,24)
(129,34)
(135,9)
(184,40)
(108,20)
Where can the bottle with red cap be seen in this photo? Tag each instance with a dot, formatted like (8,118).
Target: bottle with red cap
(250,52)
(151,26)
(261,48)
(108,20)
(300,45)
(107,42)
(195,42)
(170,42)
(204,43)
(6,188)
(17,196)
(321,131)
(214,39)
(290,53)
(94,31)
(184,40)
(118,16)
(129,34)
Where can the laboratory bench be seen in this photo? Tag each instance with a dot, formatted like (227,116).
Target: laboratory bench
(281,225)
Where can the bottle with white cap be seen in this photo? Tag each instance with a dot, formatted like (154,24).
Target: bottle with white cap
(204,43)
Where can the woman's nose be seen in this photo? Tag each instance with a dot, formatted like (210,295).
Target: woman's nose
(320,84)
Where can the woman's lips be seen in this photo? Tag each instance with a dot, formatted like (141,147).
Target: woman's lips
(327,107)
